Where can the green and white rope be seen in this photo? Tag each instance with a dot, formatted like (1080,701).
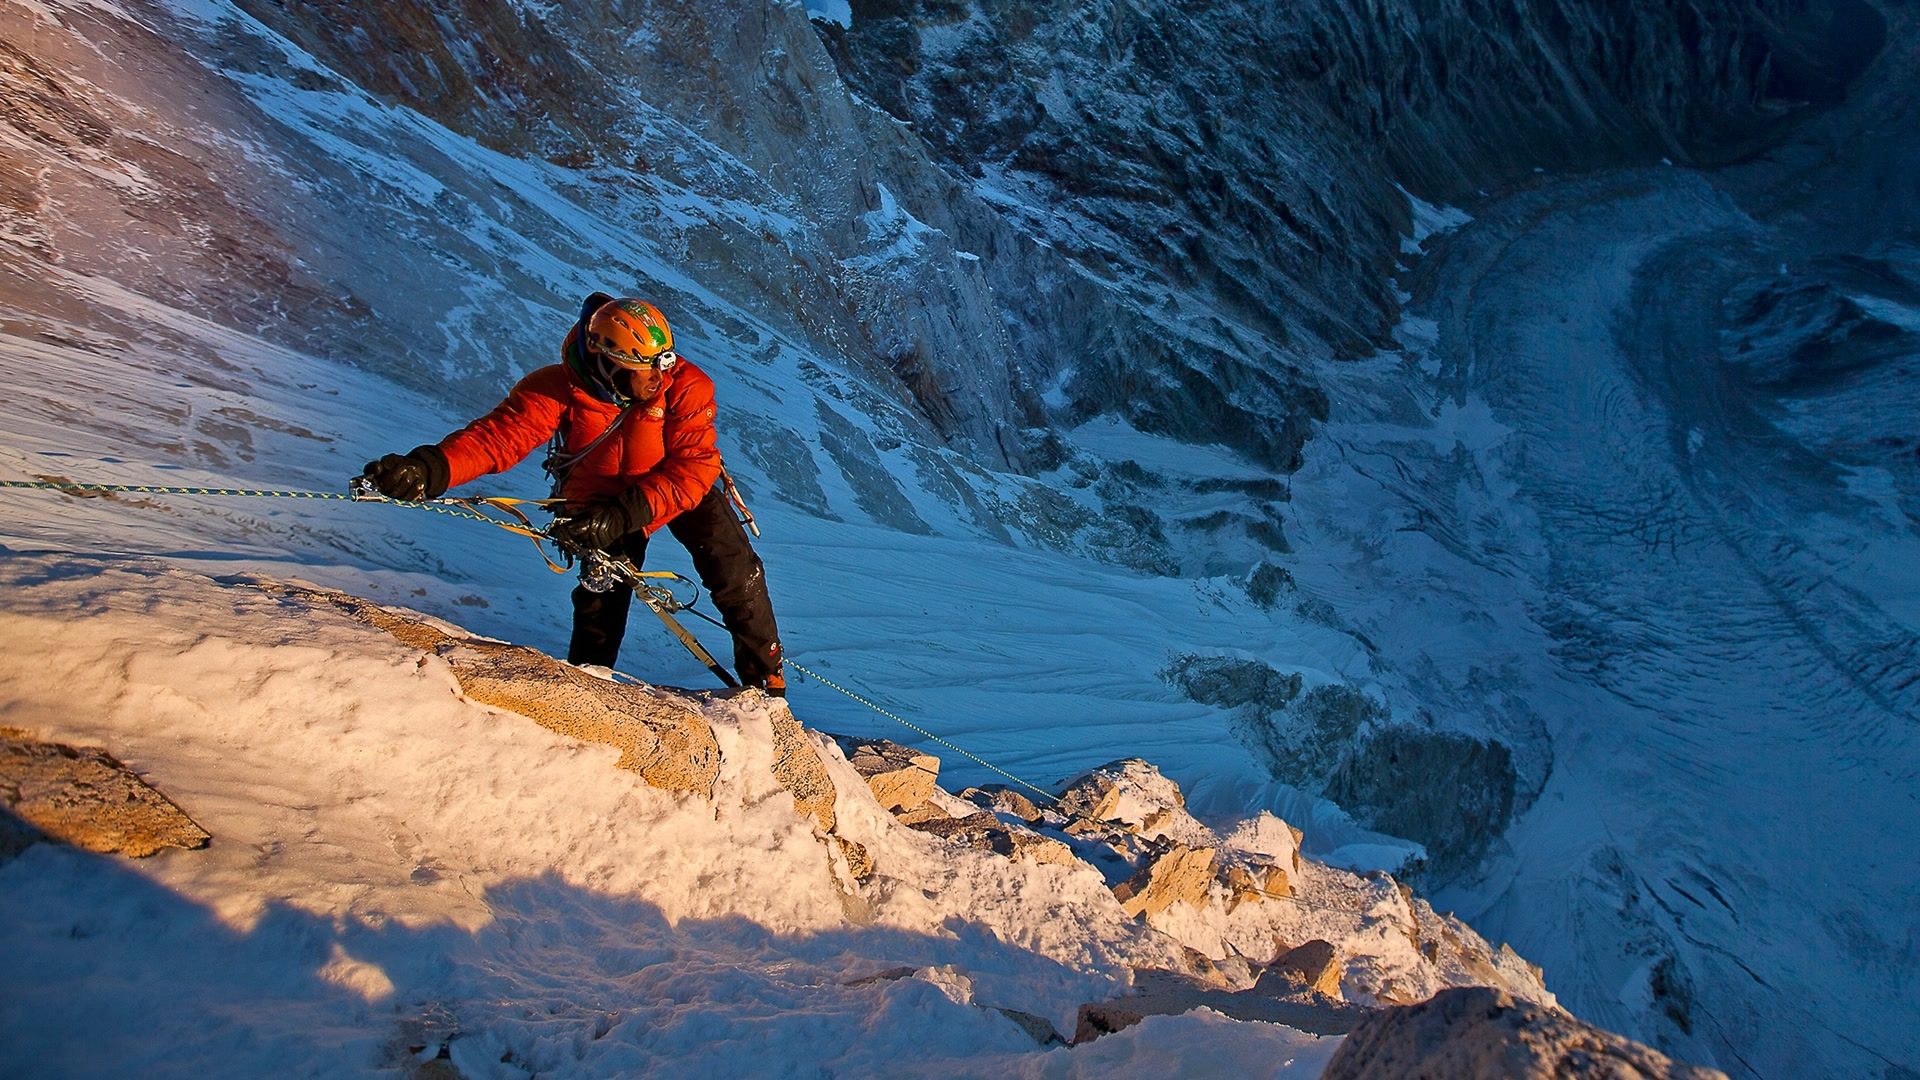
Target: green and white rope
(903,721)
(82,490)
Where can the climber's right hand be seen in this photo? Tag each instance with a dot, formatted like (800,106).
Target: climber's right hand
(419,474)
(591,526)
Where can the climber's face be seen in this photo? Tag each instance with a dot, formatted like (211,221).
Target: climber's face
(643,383)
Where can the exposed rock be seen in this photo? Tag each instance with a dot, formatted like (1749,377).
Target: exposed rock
(659,736)
(859,859)
(1088,829)
(1039,1027)
(1134,793)
(799,769)
(1156,128)
(16,835)
(84,797)
(1099,1018)
(900,776)
(1313,966)
(926,811)
(986,833)
(1304,742)
(1268,585)
(889,975)
(1251,882)
(1272,839)
(1455,821)
(1232,682)
(1166,993)
(1180,874)
(1477,1033)
(1005,800)
(421,1046)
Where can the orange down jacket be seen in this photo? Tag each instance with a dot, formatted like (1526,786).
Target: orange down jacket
(666,447)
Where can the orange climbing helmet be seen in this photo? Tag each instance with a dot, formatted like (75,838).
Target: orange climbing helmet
(631,333)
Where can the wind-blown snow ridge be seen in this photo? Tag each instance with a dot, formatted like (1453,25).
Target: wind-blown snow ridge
(395,863)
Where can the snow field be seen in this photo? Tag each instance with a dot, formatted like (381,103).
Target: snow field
(389,857)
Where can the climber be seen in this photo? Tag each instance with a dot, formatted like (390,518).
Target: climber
(631,422)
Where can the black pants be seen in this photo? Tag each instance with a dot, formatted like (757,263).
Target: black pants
(730,572)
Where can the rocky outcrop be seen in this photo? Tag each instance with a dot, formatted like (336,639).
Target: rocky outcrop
(84,797)
(1456,821)
(798,767)
(1477,1033)
(659,736)
(1139,816)
(1250,920)
(1132,793)
(1180,874)
(1342,742)
(1002,799)
(985,832)
(1163,993)
(1313,966)
(900,777)
(902,782)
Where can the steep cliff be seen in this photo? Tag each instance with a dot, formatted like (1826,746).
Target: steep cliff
(1004,217)
(1228,172)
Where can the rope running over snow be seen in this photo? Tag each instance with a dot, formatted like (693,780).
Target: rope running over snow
(83,490)
(458,509)
(896,718)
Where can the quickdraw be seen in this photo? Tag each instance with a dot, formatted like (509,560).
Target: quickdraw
(740,504)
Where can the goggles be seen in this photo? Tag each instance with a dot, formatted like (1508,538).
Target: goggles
(613,353)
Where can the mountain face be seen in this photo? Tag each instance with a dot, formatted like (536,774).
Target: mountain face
(1165,214)
(1479,528)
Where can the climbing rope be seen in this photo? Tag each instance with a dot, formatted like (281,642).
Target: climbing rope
(898,719)
(893,716)
(452,507)
(662,599)
(470,507)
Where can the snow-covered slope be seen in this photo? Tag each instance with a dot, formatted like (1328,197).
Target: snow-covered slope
(397,868)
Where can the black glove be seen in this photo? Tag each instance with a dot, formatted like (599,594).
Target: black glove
(594,526)
(421,473)
(600,524)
